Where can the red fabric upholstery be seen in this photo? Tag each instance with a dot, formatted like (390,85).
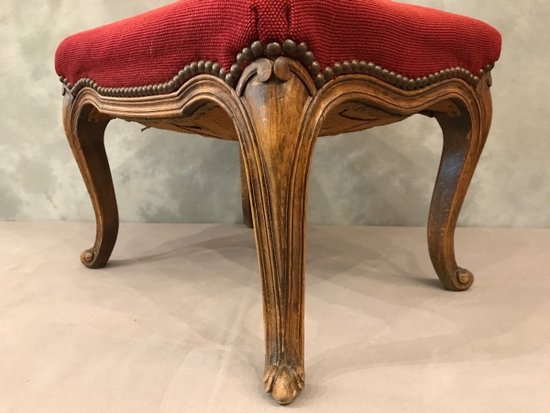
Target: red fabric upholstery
(152,47)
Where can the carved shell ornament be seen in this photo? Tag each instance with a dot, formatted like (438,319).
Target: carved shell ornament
(272,51)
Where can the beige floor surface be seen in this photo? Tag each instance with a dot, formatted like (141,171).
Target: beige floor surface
(174,324)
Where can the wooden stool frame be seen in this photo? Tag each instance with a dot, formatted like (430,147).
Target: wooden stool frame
(276,106)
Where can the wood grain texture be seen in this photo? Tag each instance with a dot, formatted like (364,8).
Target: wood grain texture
(245,196)
(276,113)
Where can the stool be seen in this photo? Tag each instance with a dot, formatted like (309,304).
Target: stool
(274,75)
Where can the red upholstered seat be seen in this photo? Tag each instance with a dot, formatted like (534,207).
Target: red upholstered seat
(152,47)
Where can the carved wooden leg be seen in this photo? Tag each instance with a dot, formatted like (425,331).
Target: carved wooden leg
(277,156)
(85,128)
(247,211)
(464,139)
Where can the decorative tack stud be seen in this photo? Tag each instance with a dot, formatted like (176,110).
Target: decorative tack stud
(208,66)
(236,70)
(320,80)
(308,58)
(247,54)
(230,80)
(273,50)
(301,49)
(289,47)
(257,49)
(216,69)
(338,69)
(315,68)
(346,66)
(201,66)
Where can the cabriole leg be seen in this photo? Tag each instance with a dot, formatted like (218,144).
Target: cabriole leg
(464,139)
(277,157)
(85,129)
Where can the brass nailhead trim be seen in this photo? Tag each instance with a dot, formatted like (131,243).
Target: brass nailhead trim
(273,50)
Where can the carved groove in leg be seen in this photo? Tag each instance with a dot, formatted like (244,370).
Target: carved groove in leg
(245,195)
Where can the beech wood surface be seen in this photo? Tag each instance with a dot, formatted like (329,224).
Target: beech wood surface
(276,114)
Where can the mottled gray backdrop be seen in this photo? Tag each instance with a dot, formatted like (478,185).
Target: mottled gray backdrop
(379,177)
